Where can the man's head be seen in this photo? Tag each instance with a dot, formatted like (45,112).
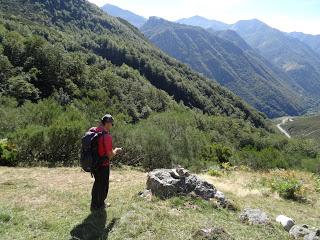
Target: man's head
(107,121)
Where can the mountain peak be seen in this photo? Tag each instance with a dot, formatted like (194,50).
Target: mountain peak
(131,17)
(251,22)
(203,22)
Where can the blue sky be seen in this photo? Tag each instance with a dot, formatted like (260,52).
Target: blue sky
(286,15)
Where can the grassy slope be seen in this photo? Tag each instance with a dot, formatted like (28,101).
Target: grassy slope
(49,203)
(306,127)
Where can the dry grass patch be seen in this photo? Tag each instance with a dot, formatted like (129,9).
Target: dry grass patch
(53,203)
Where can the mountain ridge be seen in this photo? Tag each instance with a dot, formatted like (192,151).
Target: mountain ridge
(131,17)
(120,43)
(239,69)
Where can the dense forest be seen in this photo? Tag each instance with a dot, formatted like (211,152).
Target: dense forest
(63,64)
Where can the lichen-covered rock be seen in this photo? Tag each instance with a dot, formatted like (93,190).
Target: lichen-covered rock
(212,234)
(299,232)
(254,217)
(191,182)
(205,190)
(314,235)
(162,183)
(166,183)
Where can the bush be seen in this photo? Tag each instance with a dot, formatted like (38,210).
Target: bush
(144,145)
(215,172)
(7,153)
(287,185)
(268,158)
(47,137)
(216,153)
(30,143)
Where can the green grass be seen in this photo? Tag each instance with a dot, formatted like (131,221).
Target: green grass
(53,203)
(306,127)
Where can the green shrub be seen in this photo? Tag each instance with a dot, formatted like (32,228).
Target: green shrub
(7,153)
(286,184)
(216,153)
(5,217)
(63,142)
(144,145)
(49,138)
(268,158)
(215,172)
(287,188)
(30,142)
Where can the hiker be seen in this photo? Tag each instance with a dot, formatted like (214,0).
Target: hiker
(101,173)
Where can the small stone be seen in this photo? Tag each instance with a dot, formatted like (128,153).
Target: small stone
(182,172)
(174,174)
(212,234)
(147,194)
(254,217)
(298,231)
(286,222)
(219,195)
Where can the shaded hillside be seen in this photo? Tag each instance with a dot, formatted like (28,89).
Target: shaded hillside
(312,41)
(294,57)
(224,56)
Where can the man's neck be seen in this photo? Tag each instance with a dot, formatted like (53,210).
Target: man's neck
(104,128)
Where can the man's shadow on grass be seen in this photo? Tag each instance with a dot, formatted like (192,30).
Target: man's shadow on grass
(93,227)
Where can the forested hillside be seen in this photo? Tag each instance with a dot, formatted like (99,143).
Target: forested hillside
(64,64)
(294,57)
(312,41)
(224,56)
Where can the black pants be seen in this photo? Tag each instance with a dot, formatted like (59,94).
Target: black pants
(100,187)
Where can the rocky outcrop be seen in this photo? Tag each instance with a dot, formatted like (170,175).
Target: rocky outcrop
(254,217)
(166,183)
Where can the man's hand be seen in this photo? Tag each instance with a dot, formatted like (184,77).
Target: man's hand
(116,150)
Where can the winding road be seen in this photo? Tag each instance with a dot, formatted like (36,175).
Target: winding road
(284,120)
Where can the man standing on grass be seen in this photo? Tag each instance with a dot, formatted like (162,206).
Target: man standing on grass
(101,174)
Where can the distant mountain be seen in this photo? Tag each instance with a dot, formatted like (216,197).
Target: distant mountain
(204,23)
(226,57)
(131,17)
(312,40)
(294,57)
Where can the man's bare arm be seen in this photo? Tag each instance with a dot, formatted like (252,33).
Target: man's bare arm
(113,153)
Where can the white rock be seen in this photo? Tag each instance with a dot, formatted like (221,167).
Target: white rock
(286,222)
